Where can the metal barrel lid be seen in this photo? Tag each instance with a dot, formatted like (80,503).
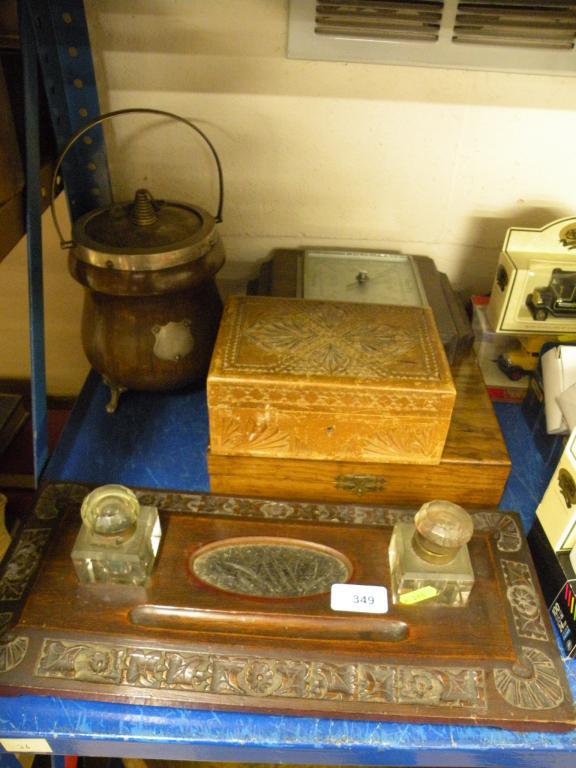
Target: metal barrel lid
(144,234)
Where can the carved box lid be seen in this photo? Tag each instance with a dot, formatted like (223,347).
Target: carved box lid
(361,348)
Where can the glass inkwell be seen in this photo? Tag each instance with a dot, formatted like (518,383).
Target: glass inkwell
(429,559)
(119,538)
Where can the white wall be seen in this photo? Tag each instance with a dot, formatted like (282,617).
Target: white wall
(66,365)
(430,161)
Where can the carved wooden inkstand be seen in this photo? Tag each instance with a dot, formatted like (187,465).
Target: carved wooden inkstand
(237,613)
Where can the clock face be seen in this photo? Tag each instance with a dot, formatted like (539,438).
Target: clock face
(361,276)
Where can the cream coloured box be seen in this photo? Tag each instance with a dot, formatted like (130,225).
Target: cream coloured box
(526,265)
(557,510)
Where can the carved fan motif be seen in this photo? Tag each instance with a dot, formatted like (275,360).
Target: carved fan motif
(532,683)
(58,498)
(257,436)
(504,528)
(12,652)
(331,340)
(402,442)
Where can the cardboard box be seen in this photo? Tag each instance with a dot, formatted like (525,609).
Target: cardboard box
(525,267)
(558,582)
(557,509)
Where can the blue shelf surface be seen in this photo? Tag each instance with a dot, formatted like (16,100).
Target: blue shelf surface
(151,441)
(100,729)
(160,441)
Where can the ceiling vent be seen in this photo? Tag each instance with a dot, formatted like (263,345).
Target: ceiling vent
(535,36)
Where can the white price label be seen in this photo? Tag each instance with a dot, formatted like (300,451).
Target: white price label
(359,598)
(26,745)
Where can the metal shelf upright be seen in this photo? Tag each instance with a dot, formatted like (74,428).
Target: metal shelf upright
(55,41)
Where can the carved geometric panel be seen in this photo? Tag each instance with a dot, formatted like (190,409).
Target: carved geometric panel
(523,599)
(331,338)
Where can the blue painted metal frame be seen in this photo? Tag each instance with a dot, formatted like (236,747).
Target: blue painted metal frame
(54,34)
(63,50)
(34,245)
(8,760)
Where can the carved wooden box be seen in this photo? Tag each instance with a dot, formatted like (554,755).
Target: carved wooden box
(472,472)
(264,637)
(292,378)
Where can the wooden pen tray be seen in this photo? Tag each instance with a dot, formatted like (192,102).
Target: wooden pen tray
(183,642)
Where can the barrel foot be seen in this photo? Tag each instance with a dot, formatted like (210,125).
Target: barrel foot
(115,392)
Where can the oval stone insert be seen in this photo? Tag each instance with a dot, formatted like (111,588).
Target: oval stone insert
(272,567)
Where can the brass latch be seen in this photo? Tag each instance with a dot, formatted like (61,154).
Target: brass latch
(360,484)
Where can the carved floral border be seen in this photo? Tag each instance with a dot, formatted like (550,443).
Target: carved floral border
(260,677)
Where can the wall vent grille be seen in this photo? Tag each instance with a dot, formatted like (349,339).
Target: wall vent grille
(520,23)
(382,19)
(536,36)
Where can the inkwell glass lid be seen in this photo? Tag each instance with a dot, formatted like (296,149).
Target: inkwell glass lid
(442,528)
(110,510)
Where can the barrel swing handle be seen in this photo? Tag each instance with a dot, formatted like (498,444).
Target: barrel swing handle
(100,119)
